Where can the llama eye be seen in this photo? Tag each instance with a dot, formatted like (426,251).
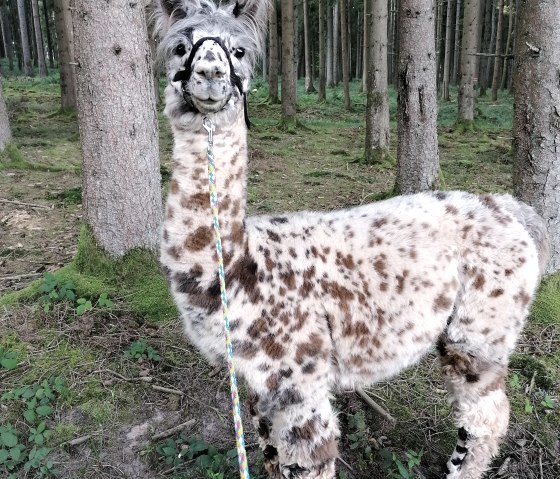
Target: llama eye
(239,53)
(180,50)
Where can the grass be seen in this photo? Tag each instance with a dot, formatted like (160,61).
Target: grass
(316,166)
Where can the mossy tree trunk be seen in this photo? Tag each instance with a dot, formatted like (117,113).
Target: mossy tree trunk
(118,125)
(5,130)
(536,122)
(288,70)
(417,150)
(65,36)
(50,47)
(377,108)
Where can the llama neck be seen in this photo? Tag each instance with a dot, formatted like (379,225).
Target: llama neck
(188,230)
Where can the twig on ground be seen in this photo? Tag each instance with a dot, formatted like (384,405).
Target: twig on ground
(346,464)
(173,430)
(19,203)
(502,471)
(75,442)
(376,407)
(168,390)
(540,463)
(532,383)
(20,276)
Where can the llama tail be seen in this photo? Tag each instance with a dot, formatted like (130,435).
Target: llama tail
(533,223)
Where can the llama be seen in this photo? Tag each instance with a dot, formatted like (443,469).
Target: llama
(323,302)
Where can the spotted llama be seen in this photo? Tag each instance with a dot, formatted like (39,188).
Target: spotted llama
(322,302)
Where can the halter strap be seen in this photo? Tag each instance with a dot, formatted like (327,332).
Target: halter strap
(185,75)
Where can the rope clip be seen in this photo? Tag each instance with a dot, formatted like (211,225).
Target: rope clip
(209,127)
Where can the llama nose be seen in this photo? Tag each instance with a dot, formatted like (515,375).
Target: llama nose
(210,67)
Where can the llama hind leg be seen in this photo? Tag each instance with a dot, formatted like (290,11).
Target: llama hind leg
(481,411)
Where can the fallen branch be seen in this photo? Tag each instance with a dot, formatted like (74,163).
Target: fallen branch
(376,407)
(173,430)
(20,276)
(76,442)
(19,203)
(168,390)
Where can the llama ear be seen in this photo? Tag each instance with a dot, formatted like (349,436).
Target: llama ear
(256,10)
(174,9)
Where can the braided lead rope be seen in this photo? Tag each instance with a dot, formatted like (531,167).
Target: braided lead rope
(239,436)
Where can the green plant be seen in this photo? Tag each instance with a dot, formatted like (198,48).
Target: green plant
(141,350)
(359,438)
(54,290)
(547,402)
(397,469)
(31,453)
(514,382)
(8,360)
(528,406)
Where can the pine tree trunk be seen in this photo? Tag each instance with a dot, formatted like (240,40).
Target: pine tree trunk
(508,45)
(288,73)
(447,52)
(336,44)
(25,46)
(490,61)
(274,60)
(417,100)
(118,125)
(469,46)
(377,108)
(7,34)
(439,30)
(395,41)
(485,47)
(16,36)
(498,60)
(344,52)
(5,131)
(365,51)
(330,82)
(50,47)
(65,35)
(39,39)
(457,44)
(536,124)
(322,50)
(309,87)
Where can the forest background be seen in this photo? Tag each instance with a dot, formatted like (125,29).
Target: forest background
(94,372)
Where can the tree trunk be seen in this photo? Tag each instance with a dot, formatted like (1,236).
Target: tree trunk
(377,108)
(469,46)
(288,74)
(536,124)
(118,125)
(439,30)
(274,61)
(65,35)
(447,53)
(39,39)
(336,43)
(367,43)
(7,34)
(322,50)
(485,46)
(345,58)
(498,60)
(50,47)
(25,47)
(508,45)
(457,46)
(330,81)
(309,87)
(417,100)
(5,131)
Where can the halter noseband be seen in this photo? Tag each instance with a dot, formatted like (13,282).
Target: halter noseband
(184,75)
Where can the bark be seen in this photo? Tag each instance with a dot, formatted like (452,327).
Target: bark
(16,36)
(447,52)
(118,125)
(25,46)
(309,87)
(438,41)
(469,45)
(508,45)
(336,44)
(367,42)
(65,35)
(39,39)
(485,47)
(274,60)
(330,81)
(344,52)
(417,149)
(5,131)
(288,73)
(322,50)
(50,47)
(457,43)
(359,47)
(7,34)
(377,108)
(536,124)
(498,60)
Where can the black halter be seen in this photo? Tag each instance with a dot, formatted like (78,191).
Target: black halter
(184,75)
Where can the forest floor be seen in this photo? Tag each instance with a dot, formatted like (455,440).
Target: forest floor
(87,383)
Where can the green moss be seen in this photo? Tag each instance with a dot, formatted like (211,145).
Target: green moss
(546,308)
(529,366)
(64,431)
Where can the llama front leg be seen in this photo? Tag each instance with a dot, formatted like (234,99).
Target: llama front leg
(481,411)
(298,435)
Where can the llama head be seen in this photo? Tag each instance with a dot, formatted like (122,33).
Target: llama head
(209,52)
